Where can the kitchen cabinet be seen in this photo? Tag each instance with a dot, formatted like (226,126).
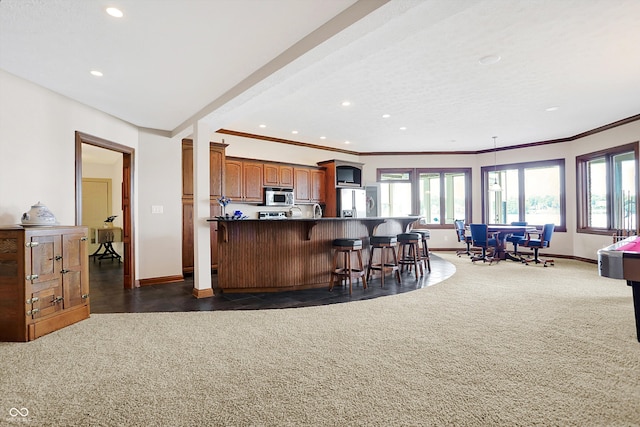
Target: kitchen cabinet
(317,185)
(44,280)
(216,164)
(309,185)
(302,184)
(276,175)
(243,180)
(252,181)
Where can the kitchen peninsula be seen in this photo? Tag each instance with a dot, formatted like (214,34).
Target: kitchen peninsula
(289,254)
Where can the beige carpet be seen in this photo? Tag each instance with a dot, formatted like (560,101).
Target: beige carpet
(499,345)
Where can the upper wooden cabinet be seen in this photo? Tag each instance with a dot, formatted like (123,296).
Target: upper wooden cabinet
(318,179)
(243,180)
(216,161)
(277,175)
(252,181)
(302,184)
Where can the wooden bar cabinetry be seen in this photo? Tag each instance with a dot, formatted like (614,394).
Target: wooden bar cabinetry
(44,280)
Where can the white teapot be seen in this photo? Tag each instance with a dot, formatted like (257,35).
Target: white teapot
(39,214)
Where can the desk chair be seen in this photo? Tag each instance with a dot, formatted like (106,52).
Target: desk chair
(480,239)
(543,241)
(516,237)
(458,225)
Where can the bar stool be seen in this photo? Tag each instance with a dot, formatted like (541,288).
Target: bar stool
(424,253)
(410,252)
(347,247)
(386,244)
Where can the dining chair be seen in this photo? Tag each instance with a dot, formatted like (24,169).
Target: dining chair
(480,239)
(516,237)
(462,237)
(543,241)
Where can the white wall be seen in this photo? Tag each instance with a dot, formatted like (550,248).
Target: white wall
(159,184)
(37,147)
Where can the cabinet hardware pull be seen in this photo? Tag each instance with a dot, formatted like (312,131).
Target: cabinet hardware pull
(31,244)
(85,296)
(63,271)
(83,239)
(33,312)
(32,300)
(56,300)
(32,277)
(58,257)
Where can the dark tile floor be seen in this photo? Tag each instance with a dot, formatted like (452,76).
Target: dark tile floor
(109,296)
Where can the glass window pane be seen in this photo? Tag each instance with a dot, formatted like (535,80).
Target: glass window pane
(430,197)
(503,204)
(455,197)
(395,199)
(624,196)
(395,176)
(542,195)
(597,193)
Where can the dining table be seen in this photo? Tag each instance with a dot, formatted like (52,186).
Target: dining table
(500,232)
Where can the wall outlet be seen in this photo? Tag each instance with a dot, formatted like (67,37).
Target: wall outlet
(157,209)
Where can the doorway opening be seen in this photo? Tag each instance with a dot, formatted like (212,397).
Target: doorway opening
(126,197)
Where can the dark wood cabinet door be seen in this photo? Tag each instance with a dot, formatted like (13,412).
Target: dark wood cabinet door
(301,184)
(252,177)
(271,175)
(233,179)
(317,186)
(187,169)
(286,176)
(74,278)
(216,165)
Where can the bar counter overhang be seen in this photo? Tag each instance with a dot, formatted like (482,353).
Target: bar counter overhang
(289,254)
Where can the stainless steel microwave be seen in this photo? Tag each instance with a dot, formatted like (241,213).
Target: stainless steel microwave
(278,196)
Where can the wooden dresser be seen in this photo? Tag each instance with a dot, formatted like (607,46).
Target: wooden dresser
(44,280)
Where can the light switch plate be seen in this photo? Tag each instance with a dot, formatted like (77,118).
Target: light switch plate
(157,209)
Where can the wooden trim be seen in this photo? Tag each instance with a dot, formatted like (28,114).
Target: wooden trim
(161,280)
(283,141)
(202,293)
(128,195)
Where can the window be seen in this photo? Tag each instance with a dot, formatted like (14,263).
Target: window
(439,195)
(607,183)
(395,192)
(533,192)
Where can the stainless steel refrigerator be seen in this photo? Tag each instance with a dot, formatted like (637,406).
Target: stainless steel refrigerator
(352,202)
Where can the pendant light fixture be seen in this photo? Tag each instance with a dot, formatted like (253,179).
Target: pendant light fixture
(494,186)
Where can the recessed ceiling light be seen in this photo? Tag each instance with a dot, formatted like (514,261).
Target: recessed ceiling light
(403,128)
(346,103)
(386,116)
(323,137)
(263,126)
(115,12)
(554,108)
(489,59)
(96,73)
(347,142)
(295,132)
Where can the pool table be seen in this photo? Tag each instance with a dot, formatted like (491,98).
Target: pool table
(622,261)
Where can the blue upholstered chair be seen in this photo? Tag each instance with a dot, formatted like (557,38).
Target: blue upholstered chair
(462,237)
(543,241)
(516,237)
(480,239)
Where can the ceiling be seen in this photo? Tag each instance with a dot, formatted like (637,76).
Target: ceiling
(289,64)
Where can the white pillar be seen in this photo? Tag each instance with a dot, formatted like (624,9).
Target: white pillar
(201,211)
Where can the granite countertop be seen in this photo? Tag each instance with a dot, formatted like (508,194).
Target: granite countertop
(377,218)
